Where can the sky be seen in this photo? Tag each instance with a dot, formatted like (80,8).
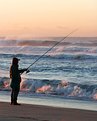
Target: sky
(46,18)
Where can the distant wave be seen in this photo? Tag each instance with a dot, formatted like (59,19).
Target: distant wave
(8,42)
(50,57)
(30,43)
(77,41)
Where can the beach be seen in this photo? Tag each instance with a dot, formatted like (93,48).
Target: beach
(28,112)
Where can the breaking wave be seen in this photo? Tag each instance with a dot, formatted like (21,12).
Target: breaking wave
(60,88)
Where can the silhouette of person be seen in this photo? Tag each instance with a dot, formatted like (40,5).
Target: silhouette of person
(15,76)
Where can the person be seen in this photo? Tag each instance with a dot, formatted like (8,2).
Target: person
(15,76)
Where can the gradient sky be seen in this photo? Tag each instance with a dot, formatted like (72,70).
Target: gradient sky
(40,18)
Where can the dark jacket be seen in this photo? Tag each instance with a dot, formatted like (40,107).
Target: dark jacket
(15,75)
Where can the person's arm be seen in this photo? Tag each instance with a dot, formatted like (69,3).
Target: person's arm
(22,70)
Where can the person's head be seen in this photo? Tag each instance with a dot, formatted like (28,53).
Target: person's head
(15,61)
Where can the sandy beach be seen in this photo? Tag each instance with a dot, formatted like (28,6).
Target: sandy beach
(27,112)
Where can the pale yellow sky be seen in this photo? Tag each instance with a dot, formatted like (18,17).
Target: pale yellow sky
(40,18)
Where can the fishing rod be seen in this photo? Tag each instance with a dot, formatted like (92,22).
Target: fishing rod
(51,49)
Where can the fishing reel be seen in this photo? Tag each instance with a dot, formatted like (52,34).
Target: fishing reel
(27,71)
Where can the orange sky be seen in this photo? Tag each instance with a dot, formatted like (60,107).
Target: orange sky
(40,18)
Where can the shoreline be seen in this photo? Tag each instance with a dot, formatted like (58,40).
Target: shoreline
(29,112)
(54,102)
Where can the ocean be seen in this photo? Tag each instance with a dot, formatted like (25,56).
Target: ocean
(65,77)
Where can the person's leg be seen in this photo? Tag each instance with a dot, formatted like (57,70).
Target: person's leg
(12,96)
(16,92)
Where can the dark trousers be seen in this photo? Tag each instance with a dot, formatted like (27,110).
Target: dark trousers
(14,94)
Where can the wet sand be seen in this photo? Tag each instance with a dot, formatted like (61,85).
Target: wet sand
(27,112)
